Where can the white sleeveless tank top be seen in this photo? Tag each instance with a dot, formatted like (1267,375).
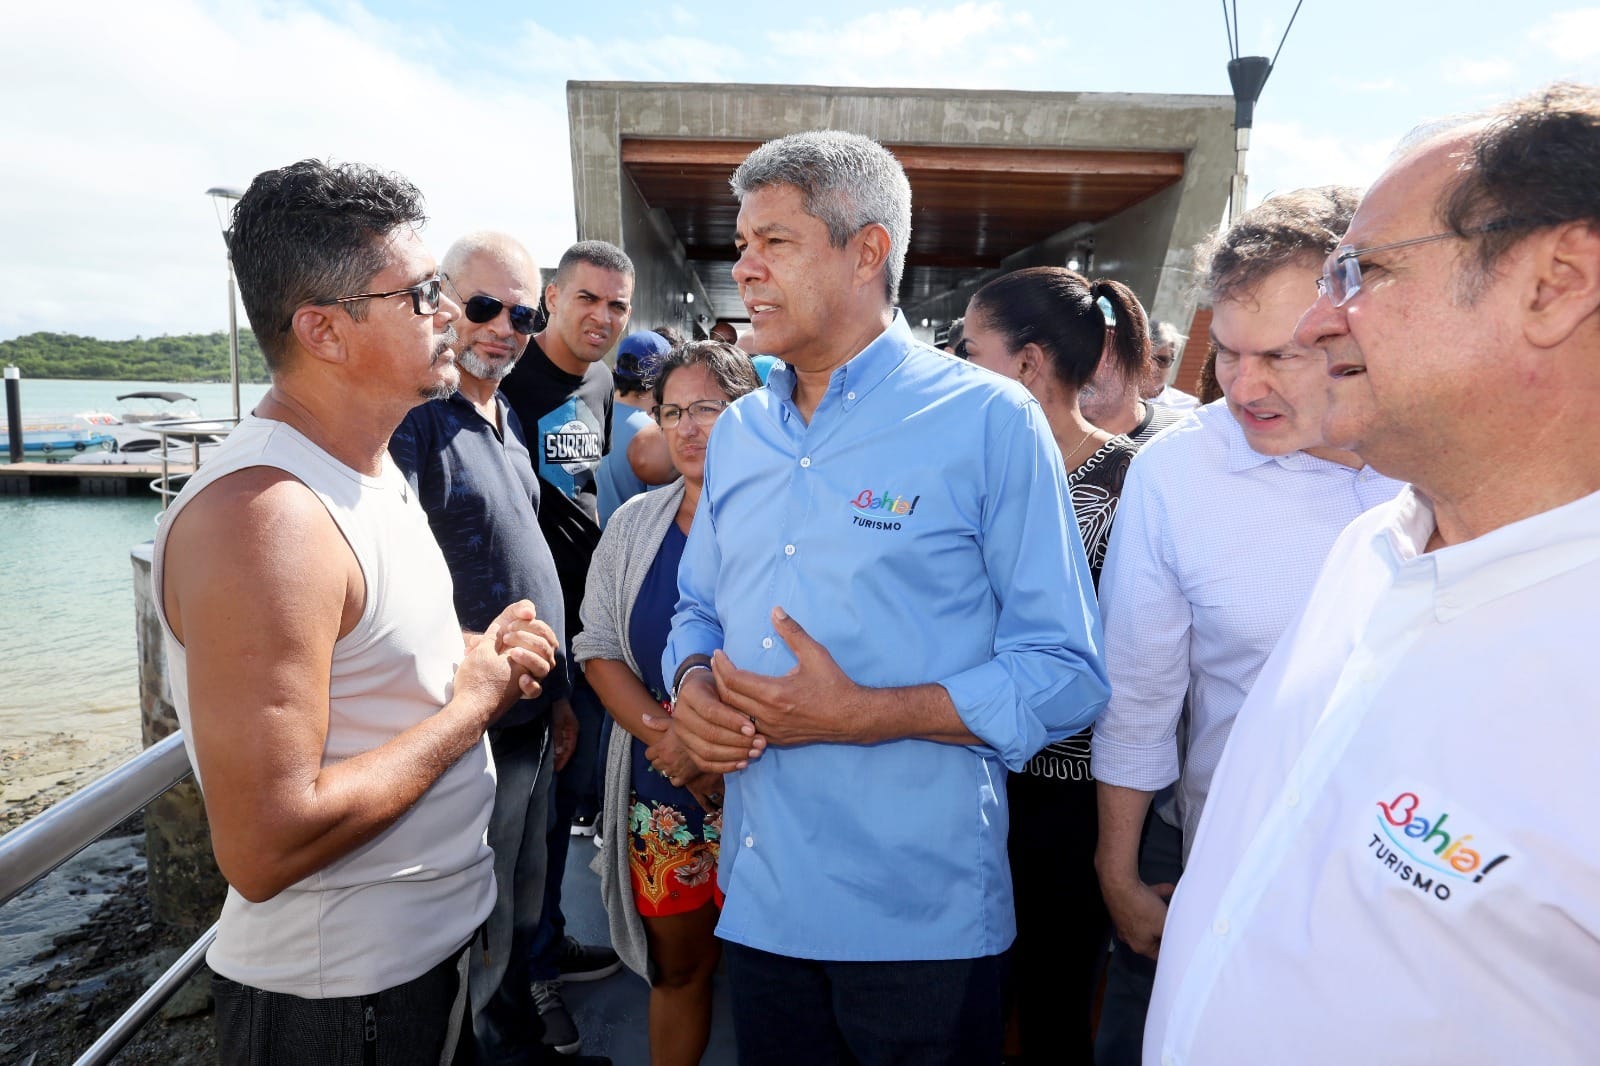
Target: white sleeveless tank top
(399,904)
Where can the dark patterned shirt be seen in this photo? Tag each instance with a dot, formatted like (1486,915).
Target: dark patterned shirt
(482,499)
(1095,486)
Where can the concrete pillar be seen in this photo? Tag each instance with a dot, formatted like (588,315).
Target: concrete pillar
(186,888)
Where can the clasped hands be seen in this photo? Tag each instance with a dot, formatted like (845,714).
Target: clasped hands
(510,657)
(726,717)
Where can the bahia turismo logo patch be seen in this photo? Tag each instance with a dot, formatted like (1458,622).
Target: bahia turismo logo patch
(881,509)
(1419,843)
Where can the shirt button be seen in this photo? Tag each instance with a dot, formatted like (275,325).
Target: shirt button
(1292,799)
(750,842)
(1220,927)
(766,642)
(1169,1060)
(788,549)
(805,460)
(849,395)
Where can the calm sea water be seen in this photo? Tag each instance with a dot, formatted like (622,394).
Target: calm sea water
(68,660)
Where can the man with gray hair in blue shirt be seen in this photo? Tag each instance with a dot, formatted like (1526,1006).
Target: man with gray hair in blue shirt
(884,604)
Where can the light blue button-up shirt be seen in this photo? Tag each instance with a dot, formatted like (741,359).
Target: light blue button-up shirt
(920,528)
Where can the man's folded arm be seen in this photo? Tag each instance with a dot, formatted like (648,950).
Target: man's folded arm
(265,588)
(1148,631)
(696,629)
(1047,680)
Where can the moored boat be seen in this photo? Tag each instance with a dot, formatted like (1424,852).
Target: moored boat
(56,437)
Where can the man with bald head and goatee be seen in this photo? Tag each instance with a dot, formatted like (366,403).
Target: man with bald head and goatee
(467,459)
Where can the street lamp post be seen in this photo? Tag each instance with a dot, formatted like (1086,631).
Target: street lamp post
(221,198)
(1248,76)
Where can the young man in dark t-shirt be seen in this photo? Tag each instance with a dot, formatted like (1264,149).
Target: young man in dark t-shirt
(561,391)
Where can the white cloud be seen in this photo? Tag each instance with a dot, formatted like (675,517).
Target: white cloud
(1371,85)
(1493,71)
(135,110)
(1288,155)
(965,46)
(1571,36)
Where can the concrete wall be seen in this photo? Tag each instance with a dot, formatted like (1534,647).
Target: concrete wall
(1147,245)
(662,274)
(186,888)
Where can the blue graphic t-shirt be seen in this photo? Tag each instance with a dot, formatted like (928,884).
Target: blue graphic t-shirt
(568,419)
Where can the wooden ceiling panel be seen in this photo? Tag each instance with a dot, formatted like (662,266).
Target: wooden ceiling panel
(972,207)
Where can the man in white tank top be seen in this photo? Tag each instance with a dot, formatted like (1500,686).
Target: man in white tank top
(331,708)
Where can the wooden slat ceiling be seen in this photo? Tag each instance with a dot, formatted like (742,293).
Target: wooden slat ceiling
(971,207)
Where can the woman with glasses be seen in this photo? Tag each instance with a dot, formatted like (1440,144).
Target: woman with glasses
(663,817)
(1050,329)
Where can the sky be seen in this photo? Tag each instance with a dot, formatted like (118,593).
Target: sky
(121,115)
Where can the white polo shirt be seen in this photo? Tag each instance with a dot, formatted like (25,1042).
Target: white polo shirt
(1213,554)
(1399,860)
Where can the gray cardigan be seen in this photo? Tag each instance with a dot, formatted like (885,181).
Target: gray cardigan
(623,557)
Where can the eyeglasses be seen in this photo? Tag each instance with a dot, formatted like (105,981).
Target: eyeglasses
(1341,275)
(482,309)
(702,413)
(424,296)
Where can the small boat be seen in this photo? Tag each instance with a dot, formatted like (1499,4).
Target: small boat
(130,430)
(54,437)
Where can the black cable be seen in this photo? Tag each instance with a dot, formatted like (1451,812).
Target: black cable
(1286,30)
(1232,52)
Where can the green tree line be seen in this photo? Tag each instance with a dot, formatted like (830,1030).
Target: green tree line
(190,357)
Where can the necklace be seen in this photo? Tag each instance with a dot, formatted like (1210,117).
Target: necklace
(1078,445)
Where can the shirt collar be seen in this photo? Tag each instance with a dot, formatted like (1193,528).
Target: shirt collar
(1242,457)
(468,407)
(859,375)
(1478,572)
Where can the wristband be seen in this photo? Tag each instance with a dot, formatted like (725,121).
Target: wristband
(691,668)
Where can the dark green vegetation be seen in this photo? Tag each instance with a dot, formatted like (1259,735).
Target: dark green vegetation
(191,357)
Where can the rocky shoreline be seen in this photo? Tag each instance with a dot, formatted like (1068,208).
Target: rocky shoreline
(82,944)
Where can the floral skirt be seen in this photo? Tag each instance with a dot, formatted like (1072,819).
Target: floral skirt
(674,869)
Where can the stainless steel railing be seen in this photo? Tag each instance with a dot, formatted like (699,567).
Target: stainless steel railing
(44,842)
(32,850)
(175,432)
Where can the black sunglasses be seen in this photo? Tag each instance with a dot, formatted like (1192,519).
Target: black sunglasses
(483,308)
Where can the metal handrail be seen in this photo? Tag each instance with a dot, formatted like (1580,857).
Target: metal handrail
(191,429)
(47,840)
(41,844)
(144,1008)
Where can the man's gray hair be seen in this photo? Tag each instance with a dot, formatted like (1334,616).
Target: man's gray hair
(848,182)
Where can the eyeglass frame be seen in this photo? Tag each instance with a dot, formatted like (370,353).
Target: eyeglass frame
(530,314)
(414,291)
(688,409)
(1336,259)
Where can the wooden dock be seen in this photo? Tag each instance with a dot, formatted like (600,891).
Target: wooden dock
(85,479)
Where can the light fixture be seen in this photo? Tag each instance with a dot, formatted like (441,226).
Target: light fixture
(688,297)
